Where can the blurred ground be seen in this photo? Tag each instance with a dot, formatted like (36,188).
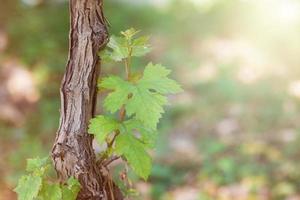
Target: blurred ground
(234,132)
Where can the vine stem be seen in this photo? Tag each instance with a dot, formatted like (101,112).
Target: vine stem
(122,112)
(127,68)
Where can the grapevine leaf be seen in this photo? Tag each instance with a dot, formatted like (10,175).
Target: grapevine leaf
(140,46)
(155,78)
(147,96)
(28,187)
(70,191)
(101,126)
(118,47)
(111,82)
(129,33)
(147,135)
(119,96)
(105,55)
(34,164)
(134,151)
(50,192)
(146,105)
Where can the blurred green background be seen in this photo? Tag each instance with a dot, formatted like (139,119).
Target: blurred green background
(232,135)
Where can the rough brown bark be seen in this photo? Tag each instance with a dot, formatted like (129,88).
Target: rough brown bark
(72,152)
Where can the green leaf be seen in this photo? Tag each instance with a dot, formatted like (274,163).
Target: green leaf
(34,164)
(119,48)
(101,127)
(119,96)
(111,82)
(70,191)
(105,55)
(147,135)
(155,78)
(50,192)
(134,151)
(147,100)
(147,95)
(129,33)
(116,99)
(147,106)
(140,46)
(28,187)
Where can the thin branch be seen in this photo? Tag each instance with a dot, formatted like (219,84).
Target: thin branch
(110,160)
(122,112)
(110,144)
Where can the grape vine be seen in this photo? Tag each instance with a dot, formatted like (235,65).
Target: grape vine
(138,99)
(134,107)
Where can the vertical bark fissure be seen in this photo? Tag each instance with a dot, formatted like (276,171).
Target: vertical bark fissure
(72,152)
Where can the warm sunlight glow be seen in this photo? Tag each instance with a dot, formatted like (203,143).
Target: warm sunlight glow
(288,12)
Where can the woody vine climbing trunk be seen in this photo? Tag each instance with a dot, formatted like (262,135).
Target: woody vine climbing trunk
(72,152)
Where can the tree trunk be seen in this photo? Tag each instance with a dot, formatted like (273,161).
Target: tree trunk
(72,153)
